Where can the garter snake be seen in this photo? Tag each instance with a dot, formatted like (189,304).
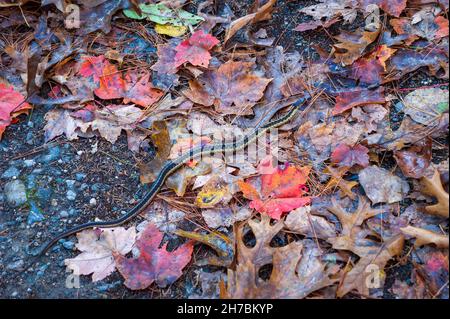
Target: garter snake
(172,165)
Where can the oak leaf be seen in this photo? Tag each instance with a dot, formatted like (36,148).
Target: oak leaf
(433,186)
(154,264)
(425,236)
(352,45)
(232,88)
(297,267)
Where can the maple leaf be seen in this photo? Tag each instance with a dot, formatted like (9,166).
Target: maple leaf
(232,88)
(12,104)
(393,7)
(153,264)
(139,90)
(345,155)
(297,267)
(352,45)
(111,83)
(98,247)
(195,50)
(281,191)
(166,58)
(349,99)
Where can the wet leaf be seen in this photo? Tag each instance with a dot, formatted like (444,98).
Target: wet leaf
(349,99)
(195,50)
(381,186)
(415,160)
(12,104)
(98,247)
(352,45)
(303,222)
(425,237)
(433,186)
(153,264)
(171,30)
(345,155)
(161,14)
(139,90)
(233,88)
(393,7)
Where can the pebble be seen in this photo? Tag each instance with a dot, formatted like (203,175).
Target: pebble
(68,245)
(64,214)
(29,163)
(93,202)
(31,181)
(15,265)
(11,172)
(35,214)
(29,139)
(15,193)
(70,183)
(71,195)
(44,194)
(14,294)
(80,176)
(53,154)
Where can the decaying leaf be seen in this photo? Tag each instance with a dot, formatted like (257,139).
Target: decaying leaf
(98,248)
(345,155)
(153,264)
(332,9)
(232,88)
(415,160)
(433,186)
(337,180)
(393,7)
(303,222)
(350,99)
(381,186)
(297,267)
(352,45)
(425,237)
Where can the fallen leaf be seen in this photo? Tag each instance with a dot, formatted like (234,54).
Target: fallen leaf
(381,186)
(195,50)
(345,155)
(425,237)
(297,267)
(393,7)
(154,264)
(139,90)
(166,58)
(97,249)
(415,160)
(433,186)
(171,30)
(349,99)
(352,45)
(337,180)
(303,222)
(280,192)
(232,88)
(12,104)
(332,9)
(262,13)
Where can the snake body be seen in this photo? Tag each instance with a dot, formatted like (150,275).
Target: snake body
(173,165)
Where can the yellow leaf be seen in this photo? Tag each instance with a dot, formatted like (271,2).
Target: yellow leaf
(170,30)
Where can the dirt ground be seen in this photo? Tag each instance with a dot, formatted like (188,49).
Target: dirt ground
(105,183)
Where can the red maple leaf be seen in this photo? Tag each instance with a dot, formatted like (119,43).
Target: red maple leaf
(345,155)
(153,264)
(281,191)
(140,90)
(195,49)
(111,83)
(11,105)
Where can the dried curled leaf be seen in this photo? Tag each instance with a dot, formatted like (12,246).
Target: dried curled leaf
(425,237)
(297,268)
(433,187)
(352,45)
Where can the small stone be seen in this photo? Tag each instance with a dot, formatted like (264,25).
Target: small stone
(64,214)
(70,183)
(11,172)
(15,193)
(44,194)
(53,154)
(29,163)
(71,195)
(80,176)
(15,265)
(14,294)
(93,202)
(35,214)
(68,245)
(54,202)
(80,152)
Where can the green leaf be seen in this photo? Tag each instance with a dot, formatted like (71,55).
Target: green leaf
(161,14)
